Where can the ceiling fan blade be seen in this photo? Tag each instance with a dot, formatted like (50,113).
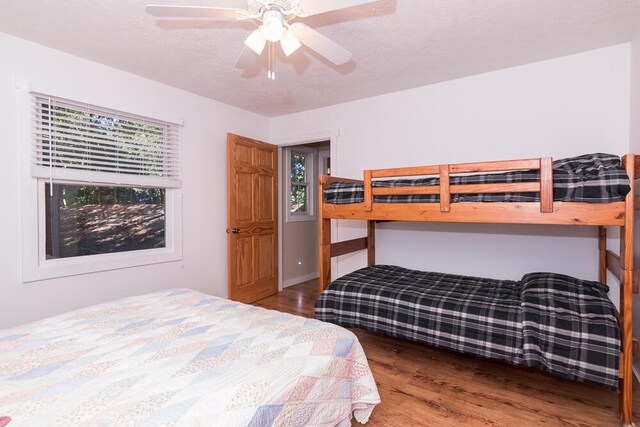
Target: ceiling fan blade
(314,7)
(164,11)
(321,44)
(247,58)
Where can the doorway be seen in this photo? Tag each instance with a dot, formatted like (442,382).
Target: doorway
(301,167)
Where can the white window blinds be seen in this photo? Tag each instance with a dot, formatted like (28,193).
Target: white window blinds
(73,141)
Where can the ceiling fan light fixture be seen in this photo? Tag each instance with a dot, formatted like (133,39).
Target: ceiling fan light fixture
(276,20)
(272,26)
(256,42)
(290,43)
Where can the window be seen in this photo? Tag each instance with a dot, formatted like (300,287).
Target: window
(108,189)
(301,184)
(89,220)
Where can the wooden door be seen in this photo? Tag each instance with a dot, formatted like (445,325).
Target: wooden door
(252,218)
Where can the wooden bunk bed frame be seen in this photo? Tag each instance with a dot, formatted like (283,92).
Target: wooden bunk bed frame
(546,211)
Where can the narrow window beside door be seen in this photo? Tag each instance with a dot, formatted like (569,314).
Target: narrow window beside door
(301,184)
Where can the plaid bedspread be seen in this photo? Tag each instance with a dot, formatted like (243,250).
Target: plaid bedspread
(562,325)
(594,178)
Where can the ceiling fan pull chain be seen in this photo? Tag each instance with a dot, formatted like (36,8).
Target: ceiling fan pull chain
(271,73)
(269,61)
(273,59)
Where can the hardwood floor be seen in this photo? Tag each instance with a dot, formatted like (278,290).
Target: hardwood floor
(423,386)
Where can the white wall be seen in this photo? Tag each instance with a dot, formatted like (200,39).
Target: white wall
(206,122)
(299,252)
(634,134)
(634,147)
(561,107)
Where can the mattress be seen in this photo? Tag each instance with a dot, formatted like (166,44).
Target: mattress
(593,178)
(562,325)
(183,358)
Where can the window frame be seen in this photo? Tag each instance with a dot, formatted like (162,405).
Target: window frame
(310,155)
(35,266)
(324,157)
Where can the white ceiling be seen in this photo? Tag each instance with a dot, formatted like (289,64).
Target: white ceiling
(396,44)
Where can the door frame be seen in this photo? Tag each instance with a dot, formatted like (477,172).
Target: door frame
(333,136)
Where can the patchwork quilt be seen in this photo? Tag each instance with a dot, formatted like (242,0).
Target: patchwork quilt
(181,357)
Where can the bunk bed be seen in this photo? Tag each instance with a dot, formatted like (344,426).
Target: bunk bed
(591,190)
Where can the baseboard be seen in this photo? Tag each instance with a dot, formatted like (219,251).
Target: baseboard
(300,279)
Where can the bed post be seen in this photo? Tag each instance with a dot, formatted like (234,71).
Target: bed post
(371,243)
(324,239)
(602,248)
(626,298)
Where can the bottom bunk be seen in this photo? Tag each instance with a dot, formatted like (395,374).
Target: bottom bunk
(562,325)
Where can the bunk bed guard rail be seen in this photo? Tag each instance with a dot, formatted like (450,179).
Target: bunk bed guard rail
(444,189)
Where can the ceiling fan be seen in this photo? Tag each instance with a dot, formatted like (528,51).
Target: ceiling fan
(274,18)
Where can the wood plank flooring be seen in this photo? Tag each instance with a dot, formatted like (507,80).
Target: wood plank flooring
(423,386)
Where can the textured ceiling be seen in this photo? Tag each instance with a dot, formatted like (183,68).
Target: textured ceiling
(396,44)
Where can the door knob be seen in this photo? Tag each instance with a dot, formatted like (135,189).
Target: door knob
(234,230)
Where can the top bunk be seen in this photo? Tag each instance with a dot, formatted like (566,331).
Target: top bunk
(593,189)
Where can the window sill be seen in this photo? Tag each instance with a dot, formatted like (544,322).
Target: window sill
(55,268)
(301,218)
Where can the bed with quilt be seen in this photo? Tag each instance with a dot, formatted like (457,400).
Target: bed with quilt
(182,357)
(591,178)
(562,325)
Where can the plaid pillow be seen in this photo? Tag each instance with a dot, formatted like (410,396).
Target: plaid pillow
(570,328)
